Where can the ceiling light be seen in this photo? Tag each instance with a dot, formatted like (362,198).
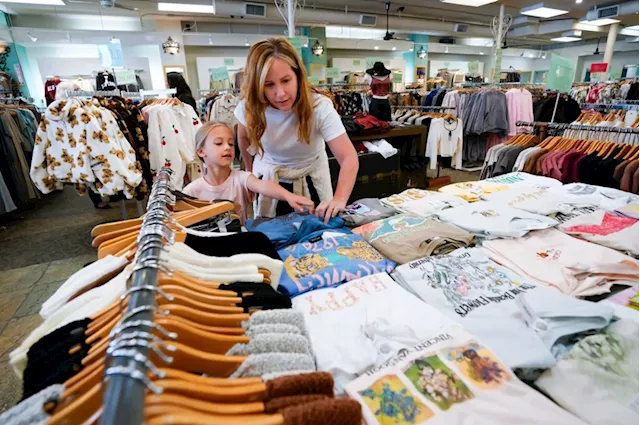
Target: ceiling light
(376,47)
(446,49)
(246,42)
(393,48)
(578,1)
(186,8)
(210,41)
(566,39)
(411,49)
(34,39)
(629,31)
(171,46)
(114,40)
(481,52)
(421,53)
(40,2)
(472,3)
(544,56)
(317,49)
(600,22)
(540,11)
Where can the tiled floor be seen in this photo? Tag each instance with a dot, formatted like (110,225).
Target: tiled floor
(39,250)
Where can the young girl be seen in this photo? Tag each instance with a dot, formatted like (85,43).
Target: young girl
(215,147)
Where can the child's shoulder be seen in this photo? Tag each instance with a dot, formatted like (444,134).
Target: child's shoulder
(241,174)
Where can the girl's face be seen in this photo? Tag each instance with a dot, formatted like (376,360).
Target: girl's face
(281,85)
(218,149)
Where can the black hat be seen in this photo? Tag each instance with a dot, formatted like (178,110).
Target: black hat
(378,70)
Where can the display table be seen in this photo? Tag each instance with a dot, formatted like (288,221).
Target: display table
(379,177)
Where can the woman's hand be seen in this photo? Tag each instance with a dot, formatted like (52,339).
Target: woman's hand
(330,209)
(298,203)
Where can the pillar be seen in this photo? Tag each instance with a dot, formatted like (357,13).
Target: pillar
(611,42)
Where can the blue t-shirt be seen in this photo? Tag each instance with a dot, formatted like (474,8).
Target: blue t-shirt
(329,261)
(294,227)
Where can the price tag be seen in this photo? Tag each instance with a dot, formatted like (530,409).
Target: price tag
(396,77)
(332,73)
(474,67)
(561,74)
(219,74)
(314,80)
(229,61)
(125,76)
(356,62)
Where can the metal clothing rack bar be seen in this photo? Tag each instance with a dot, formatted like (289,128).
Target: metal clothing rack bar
(343,85)
(560,126)
(426,108)
(125,376)
(159,93)
(621,106)
(83,93)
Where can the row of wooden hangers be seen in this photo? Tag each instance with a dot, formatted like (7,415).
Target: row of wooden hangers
(174,101)
(202,324)
(603,148)
(594,117)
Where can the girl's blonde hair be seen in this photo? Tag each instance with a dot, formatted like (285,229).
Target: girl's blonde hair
(261,57)
(205,131)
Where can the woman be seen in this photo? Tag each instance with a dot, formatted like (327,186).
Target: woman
(176,81)
(283,126)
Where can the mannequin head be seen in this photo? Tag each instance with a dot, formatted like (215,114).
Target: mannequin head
(277,78)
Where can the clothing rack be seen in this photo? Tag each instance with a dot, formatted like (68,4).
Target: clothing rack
(560,126)
(126,373)
(219,91)
(342,85)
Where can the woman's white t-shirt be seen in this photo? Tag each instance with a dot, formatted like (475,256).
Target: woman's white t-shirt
(280,138)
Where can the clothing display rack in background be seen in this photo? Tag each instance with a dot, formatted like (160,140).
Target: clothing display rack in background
(126,376)
(90,94)
(621,106)
(219,105)
(145,94)
(562,126)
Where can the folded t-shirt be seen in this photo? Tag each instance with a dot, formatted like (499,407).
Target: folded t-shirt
(403,238)
(328,260)
(494,219)
(422,202)
(365,211)
(294,227)
(606,229)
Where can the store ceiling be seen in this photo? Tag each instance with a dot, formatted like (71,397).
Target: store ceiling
(431,11)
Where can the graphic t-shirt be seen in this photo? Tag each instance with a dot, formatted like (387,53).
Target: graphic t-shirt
(364,322)
(609,199)
(524,179)
(539,200)
(575,267)
(500,307)
(422,202)
(606,229)
(472,191)
(365,211)
(451,378)
(493,219)
(598,379)
(328,260)
(403,238)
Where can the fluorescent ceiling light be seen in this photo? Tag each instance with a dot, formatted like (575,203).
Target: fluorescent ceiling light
(41,2)
(635,28)
(471,3)
(566,39)
(185,8)
(600,22)
(540,11)
(630,31)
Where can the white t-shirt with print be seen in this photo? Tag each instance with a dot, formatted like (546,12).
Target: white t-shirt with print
(280,139)
(499,306)
(494,219)
(451,378)
(361,323)
(422,202)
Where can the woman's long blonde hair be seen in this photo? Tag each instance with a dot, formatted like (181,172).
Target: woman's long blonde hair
(261,57)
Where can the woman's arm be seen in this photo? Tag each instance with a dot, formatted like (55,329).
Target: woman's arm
(275,191)
(347,157)
(243,143)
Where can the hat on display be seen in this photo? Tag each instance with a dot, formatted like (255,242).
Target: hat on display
(378,70)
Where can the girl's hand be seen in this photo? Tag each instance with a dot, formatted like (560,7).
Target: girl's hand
(330,209)
(298,203)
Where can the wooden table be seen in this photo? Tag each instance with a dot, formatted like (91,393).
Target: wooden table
(418,132)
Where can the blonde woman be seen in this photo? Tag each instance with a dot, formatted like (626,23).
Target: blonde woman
(283,126)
